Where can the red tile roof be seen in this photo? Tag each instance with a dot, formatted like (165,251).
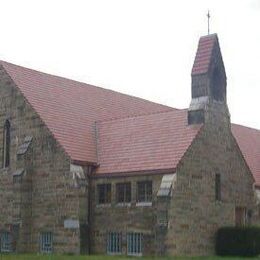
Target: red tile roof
(248,140)
(151,142)
(70,108)
(203,55)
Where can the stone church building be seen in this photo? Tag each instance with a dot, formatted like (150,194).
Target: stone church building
(89,170)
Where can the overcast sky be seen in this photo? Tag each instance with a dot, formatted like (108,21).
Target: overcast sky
(145,48)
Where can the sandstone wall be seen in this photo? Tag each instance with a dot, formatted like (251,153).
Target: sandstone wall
(46,196)
(123,218)
(194,212)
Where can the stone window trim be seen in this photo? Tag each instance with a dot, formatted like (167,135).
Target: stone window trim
(144,193)
(123,204)
(104,194)
(6,144)
(123,193)
(114,243)
(107,205)
(144,204)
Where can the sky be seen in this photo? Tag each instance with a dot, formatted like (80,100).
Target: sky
(144,48)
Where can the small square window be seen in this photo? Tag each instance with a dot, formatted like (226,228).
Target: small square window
(144,191)
(134,244)
(46,242)
(104,193)
(114,243)
(123,192)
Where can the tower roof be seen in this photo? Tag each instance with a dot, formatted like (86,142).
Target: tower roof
(204,54)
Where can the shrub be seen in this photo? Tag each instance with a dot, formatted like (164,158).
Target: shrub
(238,241)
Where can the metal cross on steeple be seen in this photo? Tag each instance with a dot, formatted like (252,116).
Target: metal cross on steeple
(208,15)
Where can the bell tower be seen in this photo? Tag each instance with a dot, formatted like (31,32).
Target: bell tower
(208,87)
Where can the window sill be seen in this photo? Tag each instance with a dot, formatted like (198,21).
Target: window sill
(107,205)
(4,170)
(144,204)
(121,204)
(134,254)
(110,253)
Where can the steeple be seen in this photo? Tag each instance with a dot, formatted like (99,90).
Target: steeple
(208,79)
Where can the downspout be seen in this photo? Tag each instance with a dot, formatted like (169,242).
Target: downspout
(90,170)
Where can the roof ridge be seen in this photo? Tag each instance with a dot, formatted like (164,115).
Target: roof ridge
(209,35)
(140,115)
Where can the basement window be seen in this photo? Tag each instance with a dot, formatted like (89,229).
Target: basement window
(46,242)
(144,191)
(134,244)
(104,193)
(162,218)
(114,243)
(6,242)
(123,192)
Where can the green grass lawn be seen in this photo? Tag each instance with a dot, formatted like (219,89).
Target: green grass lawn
(68,257)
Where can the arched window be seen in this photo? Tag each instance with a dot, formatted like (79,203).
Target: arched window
(6,144)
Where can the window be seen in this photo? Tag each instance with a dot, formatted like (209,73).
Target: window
(240,216)
(18,176)
(218,85)
(46,240)
(123,192)
(134,243)
(6,242)
(217,187)
(114,243)
(144,191)
(162,218)
(6,144)
(104,193)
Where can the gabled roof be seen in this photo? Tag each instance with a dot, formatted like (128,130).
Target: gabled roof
(70,108)
(248,140)
(144,143)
